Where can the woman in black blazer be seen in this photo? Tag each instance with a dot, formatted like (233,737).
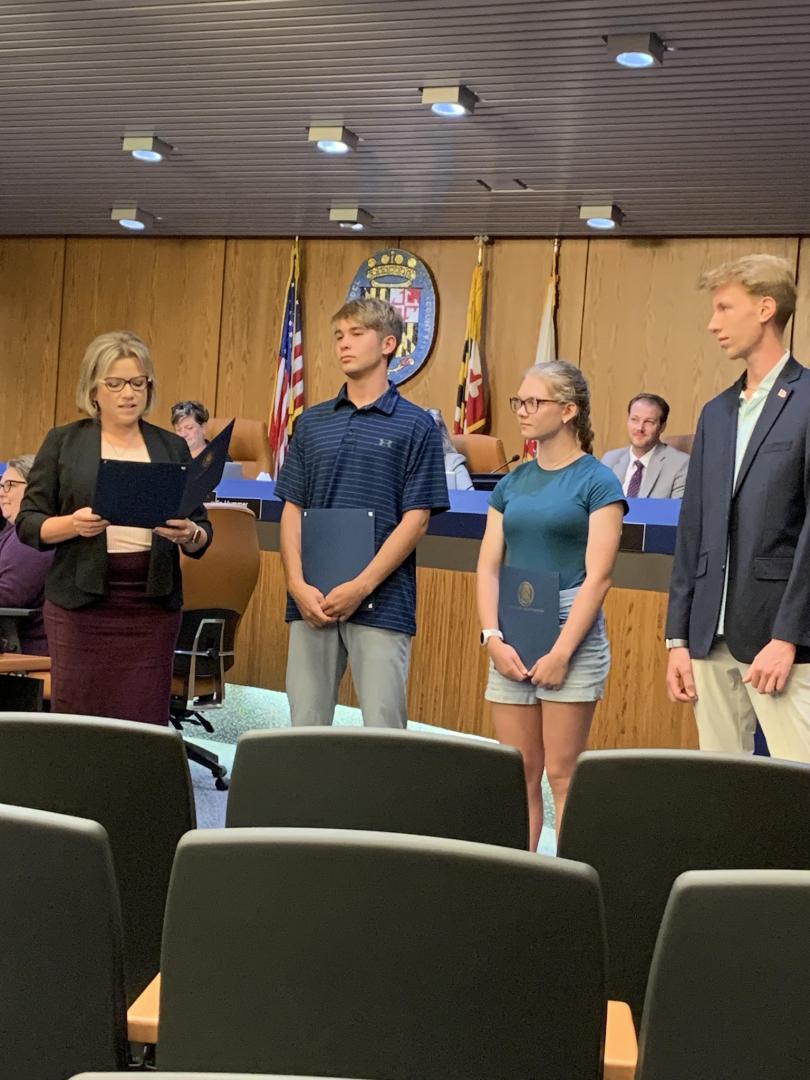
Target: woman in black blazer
(113,595)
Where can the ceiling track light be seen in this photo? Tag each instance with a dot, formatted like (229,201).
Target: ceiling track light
(452,101)
(601,215)
(146,147)
(130,216)
(636,50)
(351,217)
(333,139)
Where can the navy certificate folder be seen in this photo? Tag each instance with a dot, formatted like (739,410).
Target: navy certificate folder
(144,494)
(529,611)
(335,546)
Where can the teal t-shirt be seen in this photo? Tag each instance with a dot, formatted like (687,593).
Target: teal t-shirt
(545,514)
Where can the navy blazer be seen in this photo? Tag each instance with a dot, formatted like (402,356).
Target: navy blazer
(760,524)
(62,480)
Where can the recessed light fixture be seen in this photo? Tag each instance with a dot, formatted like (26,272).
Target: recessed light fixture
(333,139)
(146,147)
(449,100)
(601,216)
(636,50)
(351,217)
(131,217)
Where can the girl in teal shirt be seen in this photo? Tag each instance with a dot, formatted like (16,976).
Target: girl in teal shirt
(562,513)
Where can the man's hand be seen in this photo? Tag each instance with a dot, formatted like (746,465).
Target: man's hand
(506,660)
(549,671)
(309,602)
(680,681)
(770,670)
(342,601)
(86,523)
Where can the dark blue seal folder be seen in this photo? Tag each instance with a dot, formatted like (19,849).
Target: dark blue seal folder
(529,611)
(144,494)
(336,545)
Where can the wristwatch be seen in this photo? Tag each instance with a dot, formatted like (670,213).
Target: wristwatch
(676,643)
(487,634)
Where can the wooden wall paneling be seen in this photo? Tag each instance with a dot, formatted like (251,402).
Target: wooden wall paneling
(645,327)
(636,710)
(253,301)
(518,276)
(262,641)
(31,273)
(799,329)
(167,290)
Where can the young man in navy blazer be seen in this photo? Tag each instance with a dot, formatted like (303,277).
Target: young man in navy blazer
(738,627)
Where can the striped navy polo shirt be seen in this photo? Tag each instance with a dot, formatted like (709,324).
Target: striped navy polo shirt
(386,457)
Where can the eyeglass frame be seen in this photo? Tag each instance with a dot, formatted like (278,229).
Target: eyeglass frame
(124,382)
(515,403)
(7,485)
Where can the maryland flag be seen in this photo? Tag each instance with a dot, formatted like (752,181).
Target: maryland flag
(471,414)
(288,394)
(546,342)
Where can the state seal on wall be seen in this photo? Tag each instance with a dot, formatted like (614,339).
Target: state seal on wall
(407,284)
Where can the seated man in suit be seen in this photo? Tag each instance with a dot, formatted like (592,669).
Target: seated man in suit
(648,468)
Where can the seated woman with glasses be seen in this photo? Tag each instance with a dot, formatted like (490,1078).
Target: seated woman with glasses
(188,420)
(22,570)
(455,464)
(560,513)
(113,595)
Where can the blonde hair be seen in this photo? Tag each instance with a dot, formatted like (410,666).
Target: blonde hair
(759,275)
(374,314)
(100,354)
(566,384)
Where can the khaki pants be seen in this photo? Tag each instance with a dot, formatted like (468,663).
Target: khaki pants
(379,661)
(727,709)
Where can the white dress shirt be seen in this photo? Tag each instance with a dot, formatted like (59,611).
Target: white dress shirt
(631,468)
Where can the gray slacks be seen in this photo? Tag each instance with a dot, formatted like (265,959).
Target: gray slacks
(379,662)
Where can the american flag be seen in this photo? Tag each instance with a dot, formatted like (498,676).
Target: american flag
(288,396)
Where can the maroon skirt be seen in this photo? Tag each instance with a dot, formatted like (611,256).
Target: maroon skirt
(114,657)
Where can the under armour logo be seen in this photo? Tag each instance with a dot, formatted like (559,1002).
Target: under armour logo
(387,442)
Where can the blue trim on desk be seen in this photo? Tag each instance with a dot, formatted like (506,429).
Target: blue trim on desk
(650,524)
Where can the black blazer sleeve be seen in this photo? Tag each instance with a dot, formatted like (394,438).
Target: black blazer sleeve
(687,544)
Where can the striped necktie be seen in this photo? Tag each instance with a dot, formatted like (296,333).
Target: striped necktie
(634,486)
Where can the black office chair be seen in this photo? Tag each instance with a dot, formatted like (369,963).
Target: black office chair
(730,979)
(60,948)
(380,955)
(216,592)
(131,778)
(388,781)
(642,817)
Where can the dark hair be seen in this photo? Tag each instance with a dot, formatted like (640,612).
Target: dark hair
(195,409)
(654,399)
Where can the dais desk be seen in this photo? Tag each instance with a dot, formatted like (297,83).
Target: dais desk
(448,667)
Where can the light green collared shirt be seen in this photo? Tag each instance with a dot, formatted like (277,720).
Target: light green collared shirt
(750,410)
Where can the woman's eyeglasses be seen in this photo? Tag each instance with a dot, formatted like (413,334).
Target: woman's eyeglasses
(530,404)
(115,385)
(7,485)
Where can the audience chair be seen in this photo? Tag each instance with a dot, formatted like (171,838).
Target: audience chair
(198,1076)
(730,980)
(380,955)
(216,592)
(484,453)
(249,444)
(380,780)
(131,778)
(680,442)
(642,817)
(60,948)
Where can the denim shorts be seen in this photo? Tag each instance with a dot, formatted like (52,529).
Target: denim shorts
(587,671)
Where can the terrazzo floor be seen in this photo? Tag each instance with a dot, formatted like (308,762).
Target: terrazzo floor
(247,708)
